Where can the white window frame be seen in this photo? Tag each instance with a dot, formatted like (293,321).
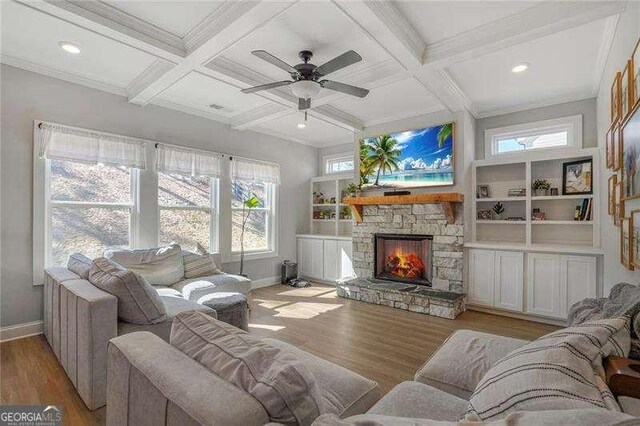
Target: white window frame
(571,124)
(213,209)
(272,228)
(331,158)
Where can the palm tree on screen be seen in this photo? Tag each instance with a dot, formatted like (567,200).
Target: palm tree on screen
(445,131)
(384,155)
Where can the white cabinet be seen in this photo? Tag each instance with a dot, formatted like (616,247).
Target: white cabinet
(324,258)
(555,282)
(495,279)
(508,282)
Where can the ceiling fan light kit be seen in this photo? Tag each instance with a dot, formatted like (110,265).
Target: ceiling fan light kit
(307,79)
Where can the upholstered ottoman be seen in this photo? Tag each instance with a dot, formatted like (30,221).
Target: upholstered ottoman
(230,308)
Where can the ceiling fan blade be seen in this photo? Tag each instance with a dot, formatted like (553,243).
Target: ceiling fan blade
(339,62)
(344,88)
(275,61)
(304,103)
(265,86)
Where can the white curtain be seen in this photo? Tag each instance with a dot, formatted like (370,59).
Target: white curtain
(255,170)
(184,161)
(59,142)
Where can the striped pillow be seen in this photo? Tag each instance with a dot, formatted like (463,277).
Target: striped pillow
(559,371)
(199,264)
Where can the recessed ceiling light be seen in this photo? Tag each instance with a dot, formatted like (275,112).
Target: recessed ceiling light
(520,67)
(69,47)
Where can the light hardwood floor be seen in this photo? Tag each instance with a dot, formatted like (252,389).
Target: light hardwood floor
(384,344)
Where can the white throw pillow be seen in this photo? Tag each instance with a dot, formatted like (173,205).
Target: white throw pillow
(160,266)
(199,264)
(559,371)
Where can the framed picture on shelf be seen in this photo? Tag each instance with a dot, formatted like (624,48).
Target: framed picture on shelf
(577,177)
(615,98)
(613,180)
(626,237)
(619,204)
(630,141)
(483,191)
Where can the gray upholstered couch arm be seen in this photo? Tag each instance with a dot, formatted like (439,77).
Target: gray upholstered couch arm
(151,382)
(88,320)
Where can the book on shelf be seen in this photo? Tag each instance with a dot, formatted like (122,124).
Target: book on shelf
(583,210)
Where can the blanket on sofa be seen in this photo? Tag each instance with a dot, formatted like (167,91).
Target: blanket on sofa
(624,300)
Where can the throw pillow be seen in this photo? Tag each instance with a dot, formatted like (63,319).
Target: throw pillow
(199,264)
(138,302)
(80,265)
(277,379)
(558,371)
(160,266)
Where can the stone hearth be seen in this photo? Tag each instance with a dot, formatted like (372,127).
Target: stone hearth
(415,298)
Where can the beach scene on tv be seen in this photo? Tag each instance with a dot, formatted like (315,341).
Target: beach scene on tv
(411,159)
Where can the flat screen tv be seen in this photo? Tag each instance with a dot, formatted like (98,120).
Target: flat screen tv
(411,159)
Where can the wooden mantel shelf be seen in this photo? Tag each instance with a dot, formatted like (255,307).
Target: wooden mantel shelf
(445,198)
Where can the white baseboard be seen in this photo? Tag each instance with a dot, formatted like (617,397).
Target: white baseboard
(264,282)
(19,331)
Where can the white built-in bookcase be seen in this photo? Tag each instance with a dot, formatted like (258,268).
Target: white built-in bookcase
(560,232)
(330,186)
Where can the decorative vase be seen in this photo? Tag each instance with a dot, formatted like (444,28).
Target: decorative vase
(540,192)
(498,216)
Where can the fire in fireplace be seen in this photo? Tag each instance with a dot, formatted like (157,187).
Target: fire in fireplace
(403,258)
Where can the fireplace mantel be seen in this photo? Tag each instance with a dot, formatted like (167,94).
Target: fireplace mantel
(444,198)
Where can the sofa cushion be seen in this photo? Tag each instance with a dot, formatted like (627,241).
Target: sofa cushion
(174,305)
(159,266)
(199,264)
(554,372)
(79,264)
(195,288)
(474,350)
(416,400)
(343,392)
(138,302)
(277,379)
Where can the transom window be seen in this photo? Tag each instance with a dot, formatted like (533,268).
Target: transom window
(558,133)
(91,209)
(338,164)
(187,210)
(258,221)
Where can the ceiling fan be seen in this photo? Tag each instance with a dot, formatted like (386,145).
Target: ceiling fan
(307,79)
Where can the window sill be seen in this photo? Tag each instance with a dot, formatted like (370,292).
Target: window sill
(235,257)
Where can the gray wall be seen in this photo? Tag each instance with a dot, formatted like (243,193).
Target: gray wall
(621,49)
(586,107)
(26,96)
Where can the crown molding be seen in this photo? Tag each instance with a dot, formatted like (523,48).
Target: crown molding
(611,25)
(156,70)
(533,23)
(533,105)
(190,110)
(62,75)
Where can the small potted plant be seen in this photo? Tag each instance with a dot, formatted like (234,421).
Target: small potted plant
(352,189)
(540,187)
(498,210)
(345,212)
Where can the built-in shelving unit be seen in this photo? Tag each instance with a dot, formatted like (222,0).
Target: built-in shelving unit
(559,229)
(331,187)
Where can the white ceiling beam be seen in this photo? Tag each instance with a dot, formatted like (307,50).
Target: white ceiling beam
(259,115)
(443,86)
(531,24)
(236,20)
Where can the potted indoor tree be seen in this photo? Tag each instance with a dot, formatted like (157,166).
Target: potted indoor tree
(498,210)
(352,189)
(247,205)
(540,187)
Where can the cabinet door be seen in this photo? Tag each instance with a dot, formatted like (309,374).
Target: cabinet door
(481,277)
(508,280)
(331,260)
(345,265)
(577,279)
(310,257)
(543,285)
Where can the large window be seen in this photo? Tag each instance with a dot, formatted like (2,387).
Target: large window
(557,133)
(340,163)
(187,210)
(90,209)
(258,222)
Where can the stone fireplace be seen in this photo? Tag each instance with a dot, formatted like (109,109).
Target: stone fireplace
(403,258)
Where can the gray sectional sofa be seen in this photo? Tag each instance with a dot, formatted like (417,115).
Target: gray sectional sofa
(80,319)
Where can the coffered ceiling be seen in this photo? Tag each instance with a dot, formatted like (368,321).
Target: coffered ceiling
(418,56)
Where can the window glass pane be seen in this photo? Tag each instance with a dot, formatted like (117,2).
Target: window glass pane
(185,227)
(337,166)
(241,191)
(178,190)
(255,234)
(82,182)
(523,143)
(89,230)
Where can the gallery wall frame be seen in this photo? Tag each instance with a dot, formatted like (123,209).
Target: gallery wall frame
(626,243)
(630,142)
